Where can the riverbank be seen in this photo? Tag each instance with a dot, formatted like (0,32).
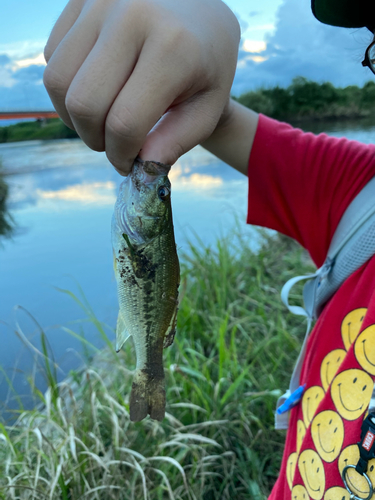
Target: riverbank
(52,128)
(231,358)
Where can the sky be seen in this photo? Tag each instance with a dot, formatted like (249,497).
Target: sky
(281,40)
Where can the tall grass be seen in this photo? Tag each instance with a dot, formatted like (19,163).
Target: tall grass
(232,356)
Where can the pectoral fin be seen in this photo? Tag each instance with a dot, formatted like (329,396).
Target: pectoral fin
(171,332)
(121,333)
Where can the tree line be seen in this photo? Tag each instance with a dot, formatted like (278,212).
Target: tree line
(306,99)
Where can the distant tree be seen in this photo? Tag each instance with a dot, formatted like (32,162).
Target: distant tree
(306,98)
(258,101)
(368,94)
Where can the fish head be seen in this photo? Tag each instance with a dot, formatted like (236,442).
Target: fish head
(143,209)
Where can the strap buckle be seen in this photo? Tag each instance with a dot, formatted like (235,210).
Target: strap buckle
(353,496)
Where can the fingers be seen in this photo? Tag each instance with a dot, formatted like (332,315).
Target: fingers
(147,94)
(98,82)
(65,63)
(183,127)
(66,20)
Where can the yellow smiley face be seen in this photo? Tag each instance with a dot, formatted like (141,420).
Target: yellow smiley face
(310,402)
(291,468)
(330,365)
(356,482)
(301,431)
(351,325)
(299,493)
(312,471)
(351,392)
(364,349)
(337,493)
(327,431)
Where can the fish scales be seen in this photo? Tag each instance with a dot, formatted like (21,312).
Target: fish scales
(147,273)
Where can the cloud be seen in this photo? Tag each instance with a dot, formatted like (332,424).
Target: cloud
(301,46)
(22,49)
(29,74)
(4,60)
(21,75)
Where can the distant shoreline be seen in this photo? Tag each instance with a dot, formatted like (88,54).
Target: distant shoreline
(51,128)
(306,100)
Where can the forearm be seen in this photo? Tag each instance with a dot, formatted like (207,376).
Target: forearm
(233,138)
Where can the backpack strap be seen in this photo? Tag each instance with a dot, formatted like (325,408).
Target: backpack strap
(352,245)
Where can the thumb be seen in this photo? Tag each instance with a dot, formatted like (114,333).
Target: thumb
(183,127)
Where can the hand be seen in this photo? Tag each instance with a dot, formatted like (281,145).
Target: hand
(149,75)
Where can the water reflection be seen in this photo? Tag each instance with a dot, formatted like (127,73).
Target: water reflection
(362,130)
(5,219)
(101,193)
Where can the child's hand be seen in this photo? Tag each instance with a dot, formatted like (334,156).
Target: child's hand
(116,66)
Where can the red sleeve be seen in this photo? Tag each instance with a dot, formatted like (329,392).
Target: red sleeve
(300,184)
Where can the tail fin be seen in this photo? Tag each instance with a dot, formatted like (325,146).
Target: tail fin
(147,397)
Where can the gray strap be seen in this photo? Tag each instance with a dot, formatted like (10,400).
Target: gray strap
(357,213)
(352,245)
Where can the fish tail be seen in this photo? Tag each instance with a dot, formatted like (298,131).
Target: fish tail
(147,396)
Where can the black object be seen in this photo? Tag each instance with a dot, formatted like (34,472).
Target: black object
(367,443)
(345,13)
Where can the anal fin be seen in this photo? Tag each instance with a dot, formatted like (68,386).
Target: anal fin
(122,334)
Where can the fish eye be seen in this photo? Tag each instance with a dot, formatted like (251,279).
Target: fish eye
(163,193)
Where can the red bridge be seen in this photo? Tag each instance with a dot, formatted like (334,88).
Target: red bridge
(11,115)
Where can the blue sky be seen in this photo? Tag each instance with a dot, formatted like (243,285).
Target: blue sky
(280,40)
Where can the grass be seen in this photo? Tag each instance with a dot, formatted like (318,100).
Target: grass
(232,355)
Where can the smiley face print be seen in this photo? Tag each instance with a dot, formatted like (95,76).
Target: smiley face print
(337,493)
(364,349)
(351,325)
(351,392)
(356,482)
(310,402)
(291,468)
(299,493)
(327,430)
(301,431)
(312,471)
(330,365)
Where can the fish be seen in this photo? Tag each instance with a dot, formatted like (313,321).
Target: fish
(147,272)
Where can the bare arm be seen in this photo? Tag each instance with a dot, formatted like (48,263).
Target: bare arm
(233,137)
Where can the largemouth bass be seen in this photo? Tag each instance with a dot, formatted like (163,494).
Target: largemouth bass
(148,276)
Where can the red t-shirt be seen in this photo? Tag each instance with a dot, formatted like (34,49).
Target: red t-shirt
(300,184)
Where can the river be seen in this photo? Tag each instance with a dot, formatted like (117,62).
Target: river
(61,199)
